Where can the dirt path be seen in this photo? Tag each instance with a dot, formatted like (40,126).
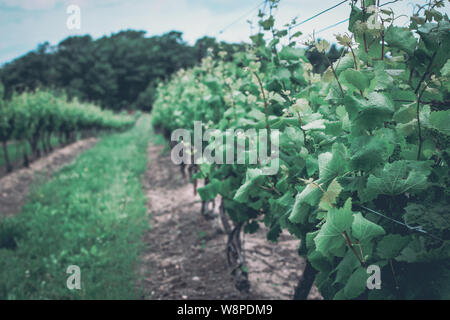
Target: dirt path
(15,186)
(185,257)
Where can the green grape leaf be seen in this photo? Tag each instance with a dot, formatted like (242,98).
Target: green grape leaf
(340,295)
(356,284)
(309,239)
(382,79)
(256,114)
(345,63)
(440,120)
(333,164)
(416,251)
(406,113)
(282,184)
(356,78)
(391,245)
(369,151)
(396,178)
(370,113)
(365,230)
(401,38)
(268,23)
(210,191)
(253,178)
(279,206)
(355,15)
(282,74)
(318,124)
(274,232)
(445,71)
(312,165)
(319,261)
(330,236)
(290,53)
(378,108)
(299,212)
(346,267)
(310,195)
(434,218)
(330,196)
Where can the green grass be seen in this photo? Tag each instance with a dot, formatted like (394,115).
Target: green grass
(91,214)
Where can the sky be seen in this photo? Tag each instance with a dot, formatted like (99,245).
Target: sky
(26,23)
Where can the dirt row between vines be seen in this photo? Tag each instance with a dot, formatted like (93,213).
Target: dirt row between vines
(15,186)
(184,256)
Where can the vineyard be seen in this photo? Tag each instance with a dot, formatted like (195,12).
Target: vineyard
(346,195)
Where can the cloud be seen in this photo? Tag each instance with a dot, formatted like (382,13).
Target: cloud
(34,21)
(30,4)
(50,4)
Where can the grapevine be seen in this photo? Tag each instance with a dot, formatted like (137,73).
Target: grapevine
(362,145)
(34,117)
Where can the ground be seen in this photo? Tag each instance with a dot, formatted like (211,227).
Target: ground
(185,253)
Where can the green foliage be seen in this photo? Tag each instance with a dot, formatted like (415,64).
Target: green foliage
(80,219)
(370,132)
(318,61)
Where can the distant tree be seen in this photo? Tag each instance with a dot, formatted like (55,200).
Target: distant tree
(203,45)
(146,98)
(33,70)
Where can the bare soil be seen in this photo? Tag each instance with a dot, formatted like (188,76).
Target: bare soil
(14,187)
(184,256)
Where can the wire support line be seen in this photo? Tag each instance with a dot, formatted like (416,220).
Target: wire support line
(324,29)
(333,25)
(241,17)
(318,14)
(387,3)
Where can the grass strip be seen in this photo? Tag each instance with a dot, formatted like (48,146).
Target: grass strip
(91,214)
